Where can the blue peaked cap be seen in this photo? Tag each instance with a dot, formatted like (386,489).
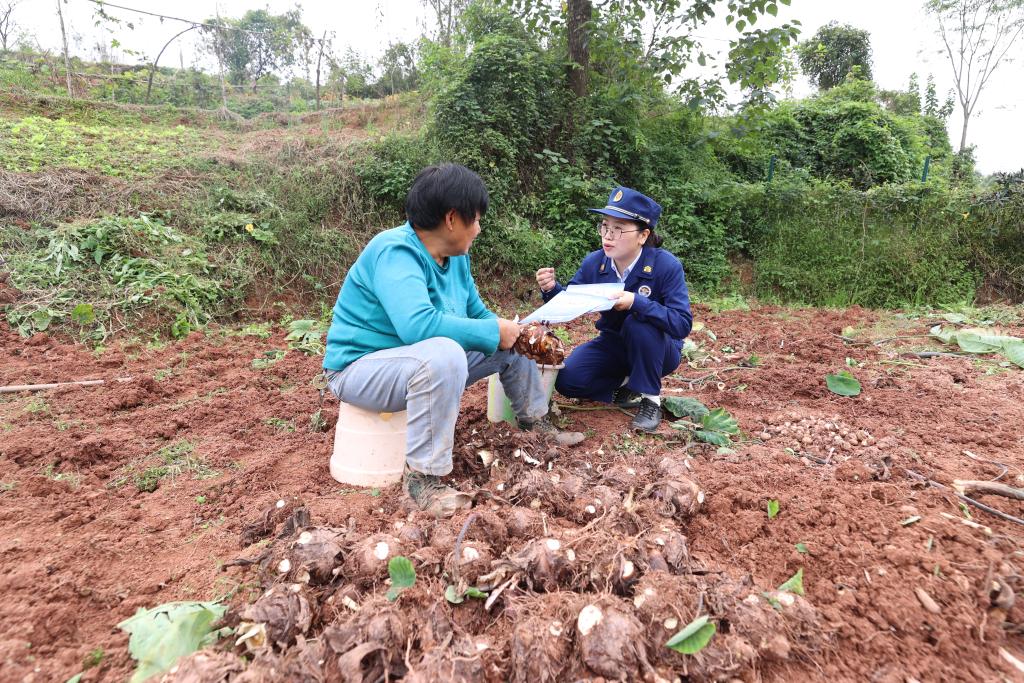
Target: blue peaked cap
(626,203)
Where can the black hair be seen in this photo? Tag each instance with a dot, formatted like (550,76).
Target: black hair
(654,239)
(440,188)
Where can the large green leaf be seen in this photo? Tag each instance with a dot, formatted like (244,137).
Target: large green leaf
(694,637)
(685,407)
(719,420)
(713,438)
(843,384)
(403,575)
(158,637)
(1014,352)
(978,341)
(944,337)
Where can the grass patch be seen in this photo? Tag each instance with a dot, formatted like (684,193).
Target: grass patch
(170,462)
(73,479)
(279,424)
(35,143)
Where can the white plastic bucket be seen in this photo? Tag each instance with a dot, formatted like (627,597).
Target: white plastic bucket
(369,447)
(500,408)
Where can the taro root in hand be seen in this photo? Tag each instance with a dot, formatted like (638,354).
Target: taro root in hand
(539,343)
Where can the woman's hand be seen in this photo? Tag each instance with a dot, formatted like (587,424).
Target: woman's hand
(546,279)
(624,301)
(508,331)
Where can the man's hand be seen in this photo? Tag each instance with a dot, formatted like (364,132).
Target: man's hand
(623,302)
(546,279)
(508,331)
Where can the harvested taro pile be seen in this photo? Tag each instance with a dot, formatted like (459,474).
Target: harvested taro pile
(539,343)
(559,572)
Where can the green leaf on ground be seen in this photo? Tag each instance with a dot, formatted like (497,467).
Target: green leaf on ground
(403,575)
(83,314)
(685,407)
(158,637)
(843,384)
(451,594)
(694,637)
(713,438)
(801,548)
(773,508)
(976,340)
(795,583)
(719,420)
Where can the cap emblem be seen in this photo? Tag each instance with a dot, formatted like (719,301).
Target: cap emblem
(617,197)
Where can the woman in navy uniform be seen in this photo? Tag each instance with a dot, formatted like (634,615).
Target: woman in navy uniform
(641,338)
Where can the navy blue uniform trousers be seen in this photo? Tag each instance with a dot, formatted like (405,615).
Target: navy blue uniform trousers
(639,349)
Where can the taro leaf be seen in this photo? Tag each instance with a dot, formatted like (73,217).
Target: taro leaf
(83,314)
(843,384)
(719,420)
(801,548)
(41,320)
(795,583)
(402,574)
(1014,352)
(685,407)
(713,438)
(158,637)
(976,341)
(773,508)
(944,337)
(451,594)
(694,637)
(955,318)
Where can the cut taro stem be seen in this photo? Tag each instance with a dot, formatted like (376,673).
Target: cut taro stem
(458,545)
(493,597)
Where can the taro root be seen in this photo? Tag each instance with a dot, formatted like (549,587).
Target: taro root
(367,563)
(314,554)
(539,343)
(611,641)
(378,623)
(411,536)
(474,559)
(461,663)
(523,522)
(543,564)
(666,551)
(537,488)
(679,498)
(278,617)
(267,522)
(205,666)
(541,645)
(304,661)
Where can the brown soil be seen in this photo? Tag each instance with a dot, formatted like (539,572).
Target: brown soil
(596,568)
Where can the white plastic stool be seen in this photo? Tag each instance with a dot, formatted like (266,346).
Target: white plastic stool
(369,447)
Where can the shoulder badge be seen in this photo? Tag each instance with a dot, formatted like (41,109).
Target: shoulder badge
(647,269)
(601,269)
(644,291)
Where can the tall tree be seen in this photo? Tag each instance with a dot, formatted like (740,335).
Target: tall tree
(977,35)
(579,15)
(7,24)
(447,15)
(833,53)
(257,44)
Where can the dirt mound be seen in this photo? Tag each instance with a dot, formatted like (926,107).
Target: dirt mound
(200,479)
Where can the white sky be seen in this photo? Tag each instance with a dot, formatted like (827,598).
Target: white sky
(903,40)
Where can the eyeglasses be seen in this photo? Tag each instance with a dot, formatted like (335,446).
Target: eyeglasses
(612,232)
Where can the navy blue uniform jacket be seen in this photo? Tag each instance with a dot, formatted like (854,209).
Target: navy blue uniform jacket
(666,306)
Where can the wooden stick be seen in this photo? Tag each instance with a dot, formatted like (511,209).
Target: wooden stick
(970,486)
(969,501)
(14,388)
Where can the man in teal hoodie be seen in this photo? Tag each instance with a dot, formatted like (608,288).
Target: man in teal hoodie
(410,331)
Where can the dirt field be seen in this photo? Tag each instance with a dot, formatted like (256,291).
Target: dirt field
(605,554)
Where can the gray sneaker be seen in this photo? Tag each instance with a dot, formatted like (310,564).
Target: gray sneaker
(433,496)
(542,425)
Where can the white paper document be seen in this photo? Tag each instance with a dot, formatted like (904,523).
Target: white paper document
(576,300)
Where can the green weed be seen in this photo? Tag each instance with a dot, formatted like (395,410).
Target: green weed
(279,424)
(73,479)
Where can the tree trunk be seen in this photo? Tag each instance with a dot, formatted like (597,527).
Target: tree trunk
(580,13)
(64,38)
(319,58)
(963,131)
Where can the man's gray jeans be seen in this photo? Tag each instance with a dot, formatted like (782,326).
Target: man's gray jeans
(428,379)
